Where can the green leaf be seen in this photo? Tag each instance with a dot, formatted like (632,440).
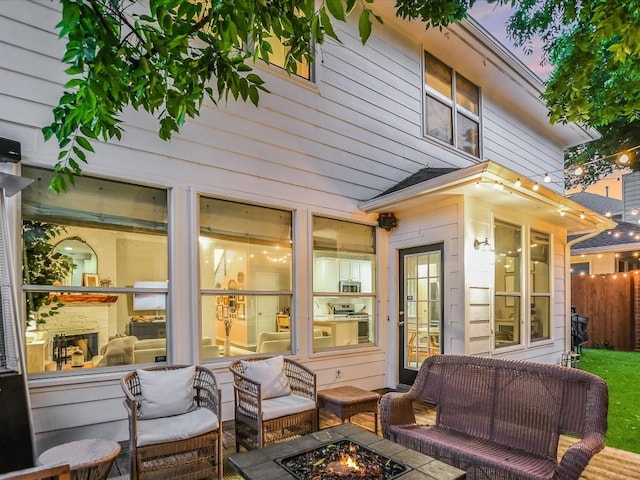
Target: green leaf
(364,26)
(336,9)
(326,24)
(84,143)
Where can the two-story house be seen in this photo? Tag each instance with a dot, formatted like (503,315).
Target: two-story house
(386,204)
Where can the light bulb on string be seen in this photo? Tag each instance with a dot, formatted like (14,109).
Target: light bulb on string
(536,187)
(547,178)
(518,182)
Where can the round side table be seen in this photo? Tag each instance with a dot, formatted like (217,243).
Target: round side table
(89,459)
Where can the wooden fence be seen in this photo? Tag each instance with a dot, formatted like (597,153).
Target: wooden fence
(611,303)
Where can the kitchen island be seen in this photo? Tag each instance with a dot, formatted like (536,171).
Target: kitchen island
(343,329)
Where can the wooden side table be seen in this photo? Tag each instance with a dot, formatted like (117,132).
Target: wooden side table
(89,459)
(347,401)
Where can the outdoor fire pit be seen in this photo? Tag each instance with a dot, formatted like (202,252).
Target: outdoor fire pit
(342,460)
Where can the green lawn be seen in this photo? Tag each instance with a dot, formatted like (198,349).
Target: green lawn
(621,371)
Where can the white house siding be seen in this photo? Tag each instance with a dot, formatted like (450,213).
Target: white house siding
(479,264)
(314,149)
(426,223)
(509,142)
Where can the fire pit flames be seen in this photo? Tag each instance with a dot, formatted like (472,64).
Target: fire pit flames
(345,465)
(343,460)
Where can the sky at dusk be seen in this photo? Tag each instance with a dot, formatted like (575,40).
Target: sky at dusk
(494,19)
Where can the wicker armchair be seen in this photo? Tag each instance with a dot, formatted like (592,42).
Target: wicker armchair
(259,421)
(176,446)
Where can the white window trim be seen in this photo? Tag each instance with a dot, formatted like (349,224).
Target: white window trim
(526,294)
(427,90)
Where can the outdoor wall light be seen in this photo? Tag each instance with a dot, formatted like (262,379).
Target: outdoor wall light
(484,244)
(387,221)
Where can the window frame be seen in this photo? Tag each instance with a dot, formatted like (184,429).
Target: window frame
(242,295)
(123,292)
(525,293)
(455,108)
(343,297)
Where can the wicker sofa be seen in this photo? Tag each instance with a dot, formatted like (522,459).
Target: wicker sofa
(501,419)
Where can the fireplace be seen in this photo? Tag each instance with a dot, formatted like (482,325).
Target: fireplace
(341,460)
(64,345)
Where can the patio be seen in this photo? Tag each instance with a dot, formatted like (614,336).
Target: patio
(609,464)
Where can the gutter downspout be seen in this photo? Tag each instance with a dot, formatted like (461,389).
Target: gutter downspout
(600,228)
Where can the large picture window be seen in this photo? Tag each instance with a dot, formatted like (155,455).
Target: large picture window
(452,106)
(522,295)
(344,290)
(246,278)
(88,256)
(540,274)
(508,288)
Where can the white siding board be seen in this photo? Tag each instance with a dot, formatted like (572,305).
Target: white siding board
(479,330)
(74,415)
(41,14)
(33,89)
(402,104)
(32,64)
(479,296)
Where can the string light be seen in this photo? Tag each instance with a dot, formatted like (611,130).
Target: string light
(536,187)
(623,158)
(518,182)
(547,178)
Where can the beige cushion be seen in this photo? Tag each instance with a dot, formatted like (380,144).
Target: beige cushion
(166,392)
(269,373)
(177,427)
(286,405)
(150,343)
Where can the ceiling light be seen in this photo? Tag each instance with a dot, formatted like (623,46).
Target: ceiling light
(562,213)
(536,187)
(547,178)
(518,182)
(581,215)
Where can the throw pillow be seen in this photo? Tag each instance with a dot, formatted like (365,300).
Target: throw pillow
(165,393)
(269,373)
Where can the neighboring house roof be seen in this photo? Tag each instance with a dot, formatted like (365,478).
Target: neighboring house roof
(598,203)
(624,234)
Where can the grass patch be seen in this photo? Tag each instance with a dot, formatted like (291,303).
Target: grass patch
(621,371)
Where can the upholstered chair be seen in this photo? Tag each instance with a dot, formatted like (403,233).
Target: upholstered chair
(275,399)
(175,422)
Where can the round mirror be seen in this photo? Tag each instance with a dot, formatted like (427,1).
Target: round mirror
(83,256)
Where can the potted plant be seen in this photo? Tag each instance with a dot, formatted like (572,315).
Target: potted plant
(41,266)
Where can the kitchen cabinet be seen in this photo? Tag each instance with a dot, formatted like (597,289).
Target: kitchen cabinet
(328,272)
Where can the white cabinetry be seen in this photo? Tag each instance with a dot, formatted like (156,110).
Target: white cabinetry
(328,272)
